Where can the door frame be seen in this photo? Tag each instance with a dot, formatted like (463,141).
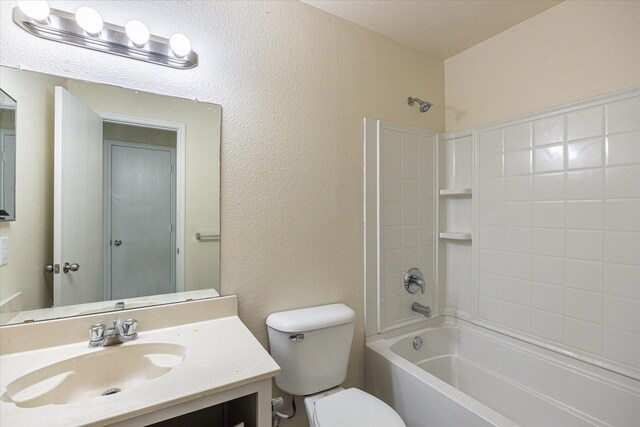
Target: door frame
(11,205)
(180,172)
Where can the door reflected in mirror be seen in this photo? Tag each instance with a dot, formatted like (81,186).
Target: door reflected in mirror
(7,157)
(140,218)
(128,180)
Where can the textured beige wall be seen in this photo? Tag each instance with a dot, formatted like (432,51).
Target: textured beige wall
(292,182)
(294,84)
(30,236)
(573,51)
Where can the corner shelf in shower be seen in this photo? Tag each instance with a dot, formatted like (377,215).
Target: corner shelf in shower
(455,192)
(450,235)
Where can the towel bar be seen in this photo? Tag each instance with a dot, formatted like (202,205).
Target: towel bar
(200,236)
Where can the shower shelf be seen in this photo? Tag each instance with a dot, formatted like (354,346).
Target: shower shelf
(455,192)
(450,235)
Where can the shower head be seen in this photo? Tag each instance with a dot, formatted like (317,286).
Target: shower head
(424,105)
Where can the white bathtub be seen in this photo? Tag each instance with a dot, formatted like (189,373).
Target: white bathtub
(466,375)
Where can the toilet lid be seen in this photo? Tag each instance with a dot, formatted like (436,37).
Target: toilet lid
(355,408)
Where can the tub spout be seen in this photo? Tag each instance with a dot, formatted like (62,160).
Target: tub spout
(422,309)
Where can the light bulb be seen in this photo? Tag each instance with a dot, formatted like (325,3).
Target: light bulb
(180,45)
(89,20)
(137,32)
(36,10)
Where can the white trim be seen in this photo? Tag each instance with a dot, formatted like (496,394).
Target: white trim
(475,227)
(370,215)
(436,226)
(378,229)
(57,191)
(392,326)
(179,128)
(373,172)
(407,129)
(455,135)
(8,195)
(459,314)
(106,218)
(566,350)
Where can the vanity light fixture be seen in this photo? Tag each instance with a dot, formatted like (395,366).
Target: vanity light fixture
(87,29)
(36,10)
(90,20)
(137,32)
(180,45)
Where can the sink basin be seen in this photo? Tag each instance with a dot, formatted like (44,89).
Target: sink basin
(102,372)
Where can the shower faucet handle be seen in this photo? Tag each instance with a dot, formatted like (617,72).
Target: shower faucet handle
(414,281)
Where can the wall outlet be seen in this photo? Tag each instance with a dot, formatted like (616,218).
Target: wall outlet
(4,250)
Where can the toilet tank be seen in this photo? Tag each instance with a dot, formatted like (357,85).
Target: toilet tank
(312,347)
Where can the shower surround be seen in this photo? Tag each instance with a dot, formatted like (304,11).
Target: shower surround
(538,236)
(558,220)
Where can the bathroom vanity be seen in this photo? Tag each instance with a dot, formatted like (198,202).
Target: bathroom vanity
(193,363)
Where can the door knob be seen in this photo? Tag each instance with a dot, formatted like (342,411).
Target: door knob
(117,242)
(66,267)
(55,268)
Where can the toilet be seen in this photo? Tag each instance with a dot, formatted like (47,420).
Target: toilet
(312,347)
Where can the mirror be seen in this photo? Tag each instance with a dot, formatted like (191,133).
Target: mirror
(7,157)
(119,198)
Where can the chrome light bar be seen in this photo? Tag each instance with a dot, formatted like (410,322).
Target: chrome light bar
(62,27)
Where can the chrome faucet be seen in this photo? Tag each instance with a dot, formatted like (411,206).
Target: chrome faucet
(422,309)
(121,331)
(414,280)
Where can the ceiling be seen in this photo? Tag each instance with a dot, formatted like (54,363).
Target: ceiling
(439,28)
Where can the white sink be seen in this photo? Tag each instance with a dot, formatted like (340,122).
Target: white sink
(101,372)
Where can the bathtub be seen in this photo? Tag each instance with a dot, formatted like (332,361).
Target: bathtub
(466,375)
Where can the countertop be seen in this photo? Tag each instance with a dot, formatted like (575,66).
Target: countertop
(221,354)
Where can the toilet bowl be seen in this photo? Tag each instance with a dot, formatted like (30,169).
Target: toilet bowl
(312,347)
(349,408)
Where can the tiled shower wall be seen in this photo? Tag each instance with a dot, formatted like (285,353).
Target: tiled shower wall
(407,220)
(558,203)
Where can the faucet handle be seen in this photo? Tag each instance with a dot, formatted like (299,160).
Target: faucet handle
(96,334)
(414,281)
(129,328)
